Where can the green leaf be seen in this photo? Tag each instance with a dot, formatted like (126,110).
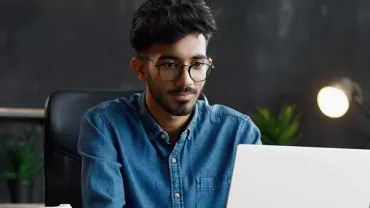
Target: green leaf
(292,129)
(279,130)
(286,139)
(264,112)
(272,129)
(266,140)
(8,175)
(285,115)
(259,121)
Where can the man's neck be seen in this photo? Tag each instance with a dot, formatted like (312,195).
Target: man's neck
(173,125)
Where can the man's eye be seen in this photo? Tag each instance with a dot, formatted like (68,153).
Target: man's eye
(198,65)
(170,65)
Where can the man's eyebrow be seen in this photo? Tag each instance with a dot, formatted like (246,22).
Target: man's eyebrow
(166,57)
(199,57)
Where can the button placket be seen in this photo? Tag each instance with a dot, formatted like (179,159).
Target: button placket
(175,169)
(175,172)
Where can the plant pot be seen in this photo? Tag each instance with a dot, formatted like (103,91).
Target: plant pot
(20,191)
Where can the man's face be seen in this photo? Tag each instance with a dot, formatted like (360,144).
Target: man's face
(176,97)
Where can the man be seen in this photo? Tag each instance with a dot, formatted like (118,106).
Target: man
(164,147)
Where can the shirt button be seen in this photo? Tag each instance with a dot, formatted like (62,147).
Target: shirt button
(163,136)
(177,196)
(173,160)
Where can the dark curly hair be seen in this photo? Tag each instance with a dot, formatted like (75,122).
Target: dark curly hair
(167,21)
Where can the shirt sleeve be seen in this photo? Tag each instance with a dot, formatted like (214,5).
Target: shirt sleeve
(101,179)
(249,133)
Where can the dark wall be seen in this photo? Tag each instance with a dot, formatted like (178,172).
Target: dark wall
(268,52)
(47,45)
(273,52)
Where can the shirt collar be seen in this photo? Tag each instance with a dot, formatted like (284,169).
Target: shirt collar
(152,128)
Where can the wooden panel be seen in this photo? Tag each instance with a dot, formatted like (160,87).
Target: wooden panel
(35,113)
(21,205)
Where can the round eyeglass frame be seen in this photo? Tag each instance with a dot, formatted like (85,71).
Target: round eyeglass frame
(158,67)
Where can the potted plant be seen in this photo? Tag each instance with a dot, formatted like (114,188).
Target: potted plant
(22,166)
(280,129)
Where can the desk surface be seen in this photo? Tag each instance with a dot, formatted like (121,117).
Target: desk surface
(21,205)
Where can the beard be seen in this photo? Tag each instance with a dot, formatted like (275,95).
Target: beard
(180,108)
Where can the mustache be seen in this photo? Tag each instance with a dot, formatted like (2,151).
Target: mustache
(183,90)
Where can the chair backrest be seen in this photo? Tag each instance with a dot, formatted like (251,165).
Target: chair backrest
(63,113)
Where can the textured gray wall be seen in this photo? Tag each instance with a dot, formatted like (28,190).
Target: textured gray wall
(268,52)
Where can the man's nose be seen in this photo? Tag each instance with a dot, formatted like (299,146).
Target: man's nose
(185,78)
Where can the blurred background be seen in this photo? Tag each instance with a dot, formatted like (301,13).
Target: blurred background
(267,53)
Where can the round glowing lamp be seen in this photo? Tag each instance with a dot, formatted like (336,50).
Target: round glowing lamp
(334,100)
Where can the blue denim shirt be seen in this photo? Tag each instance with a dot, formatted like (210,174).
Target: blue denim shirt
(128,162)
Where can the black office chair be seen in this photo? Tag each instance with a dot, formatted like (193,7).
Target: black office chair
(63,113)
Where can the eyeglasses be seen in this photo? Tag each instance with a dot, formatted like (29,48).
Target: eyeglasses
(171,71)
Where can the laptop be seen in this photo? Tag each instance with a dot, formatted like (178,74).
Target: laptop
(300,177)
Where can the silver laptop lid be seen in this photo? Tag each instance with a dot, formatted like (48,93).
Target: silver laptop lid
(300,177)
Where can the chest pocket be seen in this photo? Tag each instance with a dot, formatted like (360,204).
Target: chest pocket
(212,191)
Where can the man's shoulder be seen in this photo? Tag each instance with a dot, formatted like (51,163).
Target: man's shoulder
(218,111)
(233,124)
(120,106)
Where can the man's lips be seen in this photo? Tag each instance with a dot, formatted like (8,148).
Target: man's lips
(185,93)
(183,96)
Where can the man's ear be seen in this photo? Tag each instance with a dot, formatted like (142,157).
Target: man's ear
(139,68)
